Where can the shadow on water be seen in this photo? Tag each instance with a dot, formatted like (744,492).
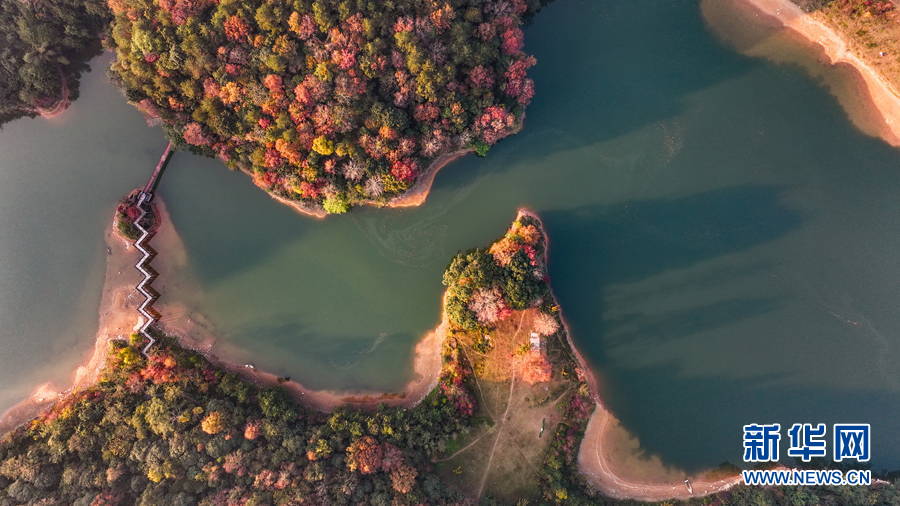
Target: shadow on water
(622,72)
(637,80)
(706,425)
(631,241)
(673,325)
(642,81)
(607,245)
(609,82)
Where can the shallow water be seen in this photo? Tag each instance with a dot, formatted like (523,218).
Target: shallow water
(723,239)
(59,183)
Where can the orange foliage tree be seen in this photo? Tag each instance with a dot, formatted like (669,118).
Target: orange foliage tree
(364,455)
(213,423)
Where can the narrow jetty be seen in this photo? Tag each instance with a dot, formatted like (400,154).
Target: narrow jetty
(151,316)
(150,187)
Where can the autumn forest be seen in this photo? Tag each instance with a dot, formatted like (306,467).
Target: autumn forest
(327,103)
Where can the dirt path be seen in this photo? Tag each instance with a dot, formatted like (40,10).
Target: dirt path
(62,102)
(464,448)
(478,385)
(500,423)
(503,418)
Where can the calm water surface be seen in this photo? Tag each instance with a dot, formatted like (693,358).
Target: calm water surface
(723,239)
(59,183)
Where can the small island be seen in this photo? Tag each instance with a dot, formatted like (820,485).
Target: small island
(128,214)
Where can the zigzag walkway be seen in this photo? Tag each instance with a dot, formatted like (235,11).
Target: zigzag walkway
(151,316)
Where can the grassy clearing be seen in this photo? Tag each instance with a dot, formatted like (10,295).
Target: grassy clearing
(502,458)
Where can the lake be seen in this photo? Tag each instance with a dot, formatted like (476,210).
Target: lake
(723,238)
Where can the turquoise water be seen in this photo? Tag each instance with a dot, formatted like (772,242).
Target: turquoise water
(723,240)
(59,183)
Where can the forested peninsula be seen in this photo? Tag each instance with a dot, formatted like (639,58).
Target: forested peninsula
(44,48)
(327,104)
(176,428)
(502,426)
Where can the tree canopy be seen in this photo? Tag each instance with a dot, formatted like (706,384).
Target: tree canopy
(44,47)
(174,429)
(332,103)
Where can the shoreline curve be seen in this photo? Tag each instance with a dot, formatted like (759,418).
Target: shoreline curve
(594,453)
(415,196)
(118,318)
(883,96)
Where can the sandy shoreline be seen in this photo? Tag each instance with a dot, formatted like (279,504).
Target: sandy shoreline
(117,313)
(418,193)
(415,196)
(118,318)
(61,105)
(426,367)
(609,457)
(611,460)
(882,94)
(311,210)
(599,458)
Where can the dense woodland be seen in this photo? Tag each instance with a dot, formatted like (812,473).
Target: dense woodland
(176,429)
(332,103)
(44,47)
(485,285)
(327,102)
